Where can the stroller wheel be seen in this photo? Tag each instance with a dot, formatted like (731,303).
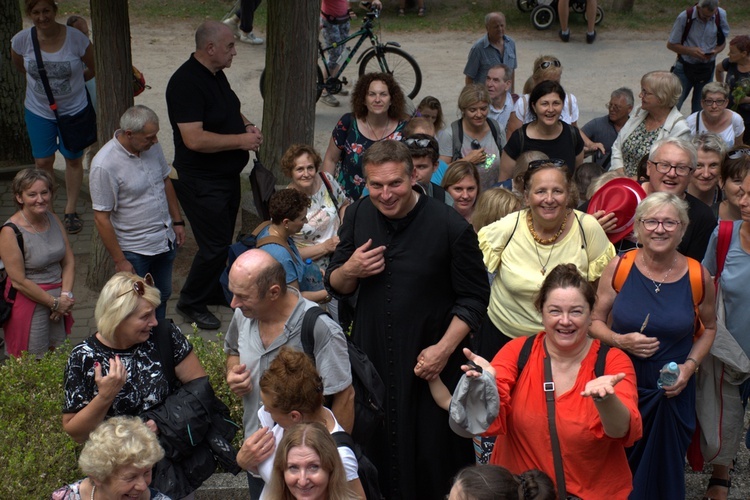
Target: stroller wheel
(542,17)
(599,15)
(525,5)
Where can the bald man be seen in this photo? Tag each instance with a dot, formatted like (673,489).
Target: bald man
(212,139)
(268,315)
(494,48)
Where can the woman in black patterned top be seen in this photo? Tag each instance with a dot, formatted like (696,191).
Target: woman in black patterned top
(119,370)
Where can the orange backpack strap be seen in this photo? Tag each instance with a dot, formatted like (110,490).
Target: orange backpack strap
(695,273)
(623,269)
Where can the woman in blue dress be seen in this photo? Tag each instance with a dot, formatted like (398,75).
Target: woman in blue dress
(655,304)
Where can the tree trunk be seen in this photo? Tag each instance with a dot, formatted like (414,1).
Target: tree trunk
(289,110)
(622,6)
(15,148)
(114,94)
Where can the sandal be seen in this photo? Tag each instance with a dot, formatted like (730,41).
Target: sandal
(715,481)
(420,12)
(73,223)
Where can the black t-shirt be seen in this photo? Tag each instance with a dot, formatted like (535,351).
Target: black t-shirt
(702,224)
(194,94)
(565,146)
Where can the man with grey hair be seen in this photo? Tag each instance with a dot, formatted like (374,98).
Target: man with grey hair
(699,33)
(135,206)
(499,80)
(603,130)
(671,163)
(212,139)
(493,48)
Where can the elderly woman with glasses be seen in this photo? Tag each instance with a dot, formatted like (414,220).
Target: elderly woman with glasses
(474,137)
(715,117)
(120,370)
(646,307)
(656,118)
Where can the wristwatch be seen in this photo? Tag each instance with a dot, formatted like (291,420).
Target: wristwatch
(68,294)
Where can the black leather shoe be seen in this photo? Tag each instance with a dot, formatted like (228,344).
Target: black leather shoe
(203,320)
(590,38)
(565,37)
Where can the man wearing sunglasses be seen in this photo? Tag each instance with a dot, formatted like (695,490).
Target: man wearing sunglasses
(493,48)
(426,157)
(135,206)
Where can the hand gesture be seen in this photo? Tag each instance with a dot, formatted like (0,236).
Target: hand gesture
(365,261)
(238,380)
(430,362)
(257,448)
(110,384)
(476,156)
(478,361)
(251,139)
(638,344)
(602,387)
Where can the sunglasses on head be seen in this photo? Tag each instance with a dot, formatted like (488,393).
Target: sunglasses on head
(421,143)
(547,64)
(139,287)
(555,162)
(738,154)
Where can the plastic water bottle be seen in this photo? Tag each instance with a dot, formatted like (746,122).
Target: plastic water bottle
(312,277)
(668,375)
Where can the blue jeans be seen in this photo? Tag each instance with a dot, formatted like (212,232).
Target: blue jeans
(695,103)
(160,267)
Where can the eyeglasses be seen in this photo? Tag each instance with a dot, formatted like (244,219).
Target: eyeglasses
(612,107)
(664,168)
(139,287)
(645,93)
(547,64)
(555,162)
(668,224)
(738,154)
(422,143)
(475,144)
(711,102)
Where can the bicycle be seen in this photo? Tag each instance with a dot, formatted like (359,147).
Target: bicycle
(378,58)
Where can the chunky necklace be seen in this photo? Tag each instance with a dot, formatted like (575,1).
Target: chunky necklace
(93,489)
(30,224)
(657,286)
(547,241)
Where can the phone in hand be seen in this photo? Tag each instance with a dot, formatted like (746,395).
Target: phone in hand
(473,366)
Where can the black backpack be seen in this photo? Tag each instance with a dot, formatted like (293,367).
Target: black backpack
(369,390)
(368,473)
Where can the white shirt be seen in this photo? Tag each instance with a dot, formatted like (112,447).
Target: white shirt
(502,115)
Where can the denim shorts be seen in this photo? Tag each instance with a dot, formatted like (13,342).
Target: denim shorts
(45,137)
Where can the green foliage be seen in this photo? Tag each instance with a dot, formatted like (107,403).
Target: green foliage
(36,455)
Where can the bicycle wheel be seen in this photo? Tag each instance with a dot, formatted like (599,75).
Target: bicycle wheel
(397,63)
(542,17)
(318,85)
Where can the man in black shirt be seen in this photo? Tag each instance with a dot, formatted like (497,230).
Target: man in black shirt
(212,139)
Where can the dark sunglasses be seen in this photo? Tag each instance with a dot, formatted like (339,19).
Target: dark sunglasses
(139,287)
(737,154)
(555,162)
(475,144)
(547,64)
(421,143)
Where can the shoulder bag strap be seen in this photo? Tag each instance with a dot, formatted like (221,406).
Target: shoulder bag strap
(549,394)
(523,356)
(162,333)
(266,240)
(601,359)
(623,269)
(330,190)
(308,330)
(688,24)
(19,239)
(42,71)
(722,247)
(457,131)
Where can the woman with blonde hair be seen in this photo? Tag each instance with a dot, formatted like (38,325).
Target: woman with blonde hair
(656,118)
(463,183)
(307,466)
(474,138)
(492,205)
(117,459)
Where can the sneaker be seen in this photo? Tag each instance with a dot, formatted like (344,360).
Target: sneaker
(250,38)
(329,100)
(565,37)
(344,92)
(233,23)
(590,37)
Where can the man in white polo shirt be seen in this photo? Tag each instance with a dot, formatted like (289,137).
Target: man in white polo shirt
(135,207)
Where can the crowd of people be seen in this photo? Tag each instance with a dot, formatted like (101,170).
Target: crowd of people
(517,283)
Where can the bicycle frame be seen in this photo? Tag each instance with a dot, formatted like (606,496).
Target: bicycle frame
(363,33)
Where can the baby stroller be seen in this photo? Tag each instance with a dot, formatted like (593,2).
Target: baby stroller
(544,12)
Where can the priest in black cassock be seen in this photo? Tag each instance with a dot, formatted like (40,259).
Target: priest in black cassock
(422,289)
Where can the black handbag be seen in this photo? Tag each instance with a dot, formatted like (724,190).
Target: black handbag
(698,72)
(77,131)
(6,304)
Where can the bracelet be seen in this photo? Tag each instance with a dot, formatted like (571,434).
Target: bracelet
(178,223)
(55,304)
(697,366)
